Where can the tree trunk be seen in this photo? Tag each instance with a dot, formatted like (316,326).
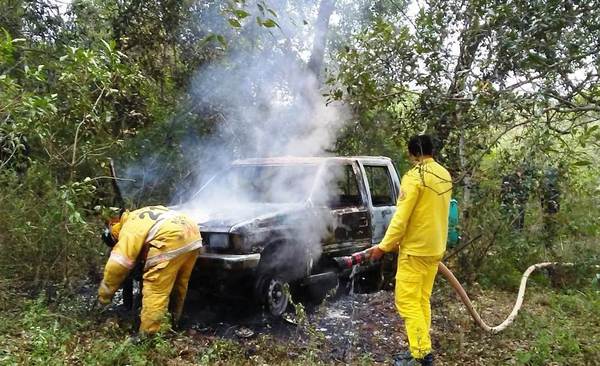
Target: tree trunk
(466,199)
(315,63)
(471,38)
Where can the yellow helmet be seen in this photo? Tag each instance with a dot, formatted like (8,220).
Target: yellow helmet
(112,228)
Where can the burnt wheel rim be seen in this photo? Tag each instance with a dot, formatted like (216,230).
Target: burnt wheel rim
(277,297)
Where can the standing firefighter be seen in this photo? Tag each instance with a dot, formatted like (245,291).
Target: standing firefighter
(418,232)
(166,244)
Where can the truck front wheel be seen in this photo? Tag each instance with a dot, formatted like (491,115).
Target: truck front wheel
(273,293)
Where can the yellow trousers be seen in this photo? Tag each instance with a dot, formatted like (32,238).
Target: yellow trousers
(414,283)
(164,284)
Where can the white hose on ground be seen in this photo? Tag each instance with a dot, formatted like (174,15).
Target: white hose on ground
(460,291)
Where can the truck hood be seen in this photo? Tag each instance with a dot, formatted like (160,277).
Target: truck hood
(229,219)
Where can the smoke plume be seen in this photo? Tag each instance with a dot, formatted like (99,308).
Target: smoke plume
(260,100)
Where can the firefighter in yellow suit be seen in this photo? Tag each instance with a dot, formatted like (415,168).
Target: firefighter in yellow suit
(167,243)
(418,232)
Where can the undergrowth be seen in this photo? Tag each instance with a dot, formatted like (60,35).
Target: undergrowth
(558,327)
(34,331)
(566,333)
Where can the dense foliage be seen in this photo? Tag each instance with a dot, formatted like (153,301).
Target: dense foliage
(503,86)
(171,88)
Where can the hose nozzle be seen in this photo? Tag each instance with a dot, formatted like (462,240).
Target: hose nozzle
(347,262)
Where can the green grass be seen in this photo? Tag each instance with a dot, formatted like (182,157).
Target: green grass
(554,327)
(566,334)
(557,326)
(35,332)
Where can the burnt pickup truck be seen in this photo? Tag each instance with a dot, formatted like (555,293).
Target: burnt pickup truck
(273,223)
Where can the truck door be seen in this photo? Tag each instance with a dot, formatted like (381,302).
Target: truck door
(382,198)
(350,218)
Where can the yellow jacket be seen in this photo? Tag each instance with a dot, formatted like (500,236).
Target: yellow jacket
(154,232)
(420,225)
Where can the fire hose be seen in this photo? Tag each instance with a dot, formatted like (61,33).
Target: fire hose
(360,257)
(460,291)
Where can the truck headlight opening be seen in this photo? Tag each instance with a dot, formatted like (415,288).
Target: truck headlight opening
(218,241)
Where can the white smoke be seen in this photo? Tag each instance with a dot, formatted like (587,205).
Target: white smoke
(264,102)
(269,106)
(258,101)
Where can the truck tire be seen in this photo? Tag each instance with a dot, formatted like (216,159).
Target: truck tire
(273,294)
(282,263)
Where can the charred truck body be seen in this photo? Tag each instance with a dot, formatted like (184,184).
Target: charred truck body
(267,223)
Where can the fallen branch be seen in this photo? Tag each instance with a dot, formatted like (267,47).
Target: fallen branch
(461,247)
(113,178)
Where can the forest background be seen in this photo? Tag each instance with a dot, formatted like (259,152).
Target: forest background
(507,88)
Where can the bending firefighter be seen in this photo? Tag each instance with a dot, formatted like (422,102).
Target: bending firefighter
(418,232)
(166,243)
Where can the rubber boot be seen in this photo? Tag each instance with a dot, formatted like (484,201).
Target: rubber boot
(405,359)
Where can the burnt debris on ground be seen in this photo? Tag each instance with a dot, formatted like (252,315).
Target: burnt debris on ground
(346,326)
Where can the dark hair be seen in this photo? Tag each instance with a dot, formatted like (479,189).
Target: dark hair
(420,145)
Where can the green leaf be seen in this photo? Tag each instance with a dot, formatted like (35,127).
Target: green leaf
(241,14)
(537,58)
(270,23)
(222,40)
(234,23)
(106,45)
(582,163)
(207,39)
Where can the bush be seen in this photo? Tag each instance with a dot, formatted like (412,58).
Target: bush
(46,236)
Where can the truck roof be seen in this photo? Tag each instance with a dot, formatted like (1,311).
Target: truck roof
(285,160)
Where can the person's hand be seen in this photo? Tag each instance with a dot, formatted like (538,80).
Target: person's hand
(101,306)
(104,294)
(104,299)
(375,253)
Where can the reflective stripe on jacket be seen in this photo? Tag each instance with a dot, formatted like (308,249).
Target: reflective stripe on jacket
(165,233)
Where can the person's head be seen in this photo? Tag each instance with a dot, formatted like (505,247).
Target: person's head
(420,146)
(112,228)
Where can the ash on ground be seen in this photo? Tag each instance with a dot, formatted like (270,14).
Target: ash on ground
(347,327)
